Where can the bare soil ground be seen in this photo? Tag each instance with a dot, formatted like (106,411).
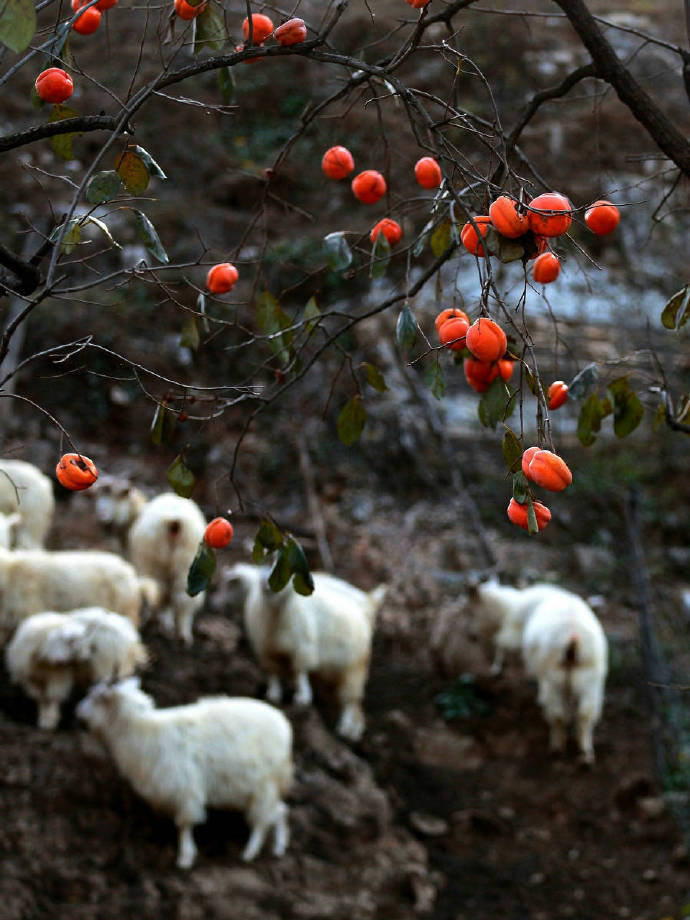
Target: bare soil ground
(464,818)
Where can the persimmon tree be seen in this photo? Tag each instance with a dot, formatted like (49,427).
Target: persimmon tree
(100,187)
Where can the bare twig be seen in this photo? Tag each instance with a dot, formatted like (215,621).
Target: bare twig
(313,503)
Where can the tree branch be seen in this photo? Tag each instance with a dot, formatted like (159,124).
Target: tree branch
(660,128)
(545,95)
(29,276)
(81,124)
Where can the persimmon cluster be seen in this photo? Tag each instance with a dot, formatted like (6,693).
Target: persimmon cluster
(484,339)
(545,217)
(545,469)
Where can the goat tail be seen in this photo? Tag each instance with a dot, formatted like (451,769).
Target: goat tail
(571,652)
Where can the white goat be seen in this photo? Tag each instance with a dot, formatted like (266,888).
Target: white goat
(564,648)
(498,614)
(327,633)
(118,503)
(26,490)
(221,752)
(51,653)
(34,580)
(163,541)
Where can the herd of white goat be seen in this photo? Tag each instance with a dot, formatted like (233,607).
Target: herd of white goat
(69,622)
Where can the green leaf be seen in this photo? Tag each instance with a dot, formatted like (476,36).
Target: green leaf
(337,251)
(520,487)
(267,540)
(589,420)
(533,382)
(441,238)
(148,161)
(420,243)
(675,313)
(351,421)
(71,238)
(280,573)
(380,257)
(406,328)
(148,235)
(437,381)
(582,383)
(131,168)
(311,314)
(103,186)
(504,249)
(374,377)
(180,477)
(226,83)
(209,29)
(17,23)
(496,403)
(190,334)
(158,424)
(627,408)
(302,580)
(201,570)
(532,525)
(659,416)
(272,320)
(512,450)
(61,144)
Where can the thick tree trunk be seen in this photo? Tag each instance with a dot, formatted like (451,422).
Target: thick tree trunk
(609,68)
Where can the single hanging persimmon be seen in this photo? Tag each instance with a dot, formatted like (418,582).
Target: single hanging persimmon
(486,340)
(337,162)
(188,11)
(391,229)
(292,32)
(427,172)
(219,532)
(602,217)
(480,374)
(546,268)
(557,394)
(550,214)
(549,471)
(506,218)
(369,186)
(447,313)
(54,85)
(87,21)
(452,332)
(262,27)
(222,278)
(517,514)
(76,472)
(469,238)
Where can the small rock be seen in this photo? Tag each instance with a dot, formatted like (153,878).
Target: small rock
(651,806)
(537,878)
(680,853)
(429,825)
(650,875)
